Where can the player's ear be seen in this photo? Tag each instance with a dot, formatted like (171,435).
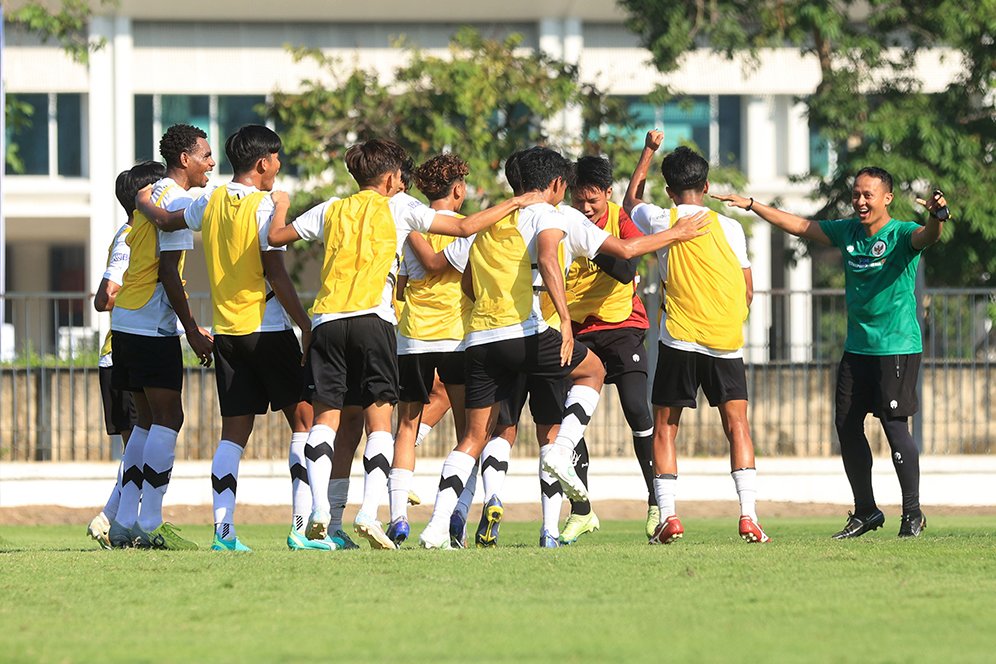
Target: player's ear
(888,197)
(706,189)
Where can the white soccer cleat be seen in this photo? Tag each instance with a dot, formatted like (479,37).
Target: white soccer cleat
(99,530)
(433,538)
(318,525)
(371,529)
(559,463)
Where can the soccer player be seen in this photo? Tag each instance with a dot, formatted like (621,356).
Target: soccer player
(510,264)
(430,334)
(257,357)
(878,371)
(354,349)
(119,406)
(708,290)
(146,343)
(609,318)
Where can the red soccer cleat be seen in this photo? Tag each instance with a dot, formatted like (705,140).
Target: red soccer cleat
(668,532)
(750,531)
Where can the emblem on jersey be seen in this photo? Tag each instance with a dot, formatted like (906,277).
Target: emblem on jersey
(878,248)
(636,357)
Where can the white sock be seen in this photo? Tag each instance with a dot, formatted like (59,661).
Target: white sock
(157,466)
(337,496)
(224,481)
(494,466)
(666,490)
(745,480)
(551,496)
(131,478)
(423,432)
(579,406)
(467,495)
(111,507)
(398,484)
(378,455)
(318,459)
(300,489)
(453,478)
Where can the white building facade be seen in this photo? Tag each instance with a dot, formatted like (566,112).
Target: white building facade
(210,64)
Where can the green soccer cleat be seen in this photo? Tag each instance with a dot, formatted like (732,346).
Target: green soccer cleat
(296,541)
(166,536)
(233,544)
(577,525)
(653,518)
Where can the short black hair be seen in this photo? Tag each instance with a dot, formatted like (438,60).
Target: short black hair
(250,144)
(178,139)
(140,175)
(880,173)
(369,161)
(407,172)
(512,174)
(685,170)
(592,172)
(538,167)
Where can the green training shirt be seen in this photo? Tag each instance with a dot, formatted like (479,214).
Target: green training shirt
(880,278)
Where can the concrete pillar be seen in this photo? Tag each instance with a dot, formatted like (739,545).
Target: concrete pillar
(563,39)
(759,147)
(124,94)
(799,275)
(105,215)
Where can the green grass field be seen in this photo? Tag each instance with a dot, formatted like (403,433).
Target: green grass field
(611,597)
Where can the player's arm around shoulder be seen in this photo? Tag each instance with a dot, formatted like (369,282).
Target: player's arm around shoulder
(161,217)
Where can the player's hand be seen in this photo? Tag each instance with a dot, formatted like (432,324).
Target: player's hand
(654,139)
(144,196)
(529,198)
(202,343)
(566,343)
(691,226)
(305,346)
(280,199)
(936,202)
(732,200)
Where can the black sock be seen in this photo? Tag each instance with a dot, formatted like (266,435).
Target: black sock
(644,448)
(581,508)
(906,461)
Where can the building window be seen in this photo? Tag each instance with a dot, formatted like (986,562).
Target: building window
(47,132)
(821,154)
(711,124)
(218,115)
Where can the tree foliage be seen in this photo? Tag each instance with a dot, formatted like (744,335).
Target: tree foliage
(868,103)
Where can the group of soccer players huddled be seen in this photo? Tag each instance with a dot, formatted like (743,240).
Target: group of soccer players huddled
(420,310)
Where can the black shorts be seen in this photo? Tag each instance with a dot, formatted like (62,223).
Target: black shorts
(884,385)
(355,356)
(546,401)
(680,373)
(494,368)
(119,405)
(141,362)
(621,350)
(257,371)
(416,374)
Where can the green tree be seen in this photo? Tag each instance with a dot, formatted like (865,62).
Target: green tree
(482,102)
(867,102)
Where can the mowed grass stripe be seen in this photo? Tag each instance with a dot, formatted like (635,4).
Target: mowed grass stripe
(709,597)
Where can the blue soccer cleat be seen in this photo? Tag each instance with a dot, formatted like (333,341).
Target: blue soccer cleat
(398,531)
(548,541)
(458,531)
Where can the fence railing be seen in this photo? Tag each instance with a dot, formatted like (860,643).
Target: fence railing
(50,400)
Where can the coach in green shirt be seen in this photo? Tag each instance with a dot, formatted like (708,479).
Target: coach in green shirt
(878,372)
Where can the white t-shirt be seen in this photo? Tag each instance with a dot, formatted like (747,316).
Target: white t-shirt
(116,266)
(412,268)
(275,319)
(653,219)
(410,214)
(533,220)
(157,318)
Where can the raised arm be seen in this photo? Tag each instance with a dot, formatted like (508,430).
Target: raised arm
(788,222)
(634,192)
(931,232)
(286,294)
(547,243)
(280,234)
(685,228)
(433,261)
(160,217)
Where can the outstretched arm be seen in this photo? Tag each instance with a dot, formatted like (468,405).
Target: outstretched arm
(788,222)
(634,192)
(685,228)
(445,224)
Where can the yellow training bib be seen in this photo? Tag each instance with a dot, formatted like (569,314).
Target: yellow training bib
(503,277)
(436,308)
(142,275)
(591,292)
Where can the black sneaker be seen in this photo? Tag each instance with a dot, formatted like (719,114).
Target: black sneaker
(912,524)
(857,526)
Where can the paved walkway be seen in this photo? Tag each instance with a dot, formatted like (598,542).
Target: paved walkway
(945,480)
